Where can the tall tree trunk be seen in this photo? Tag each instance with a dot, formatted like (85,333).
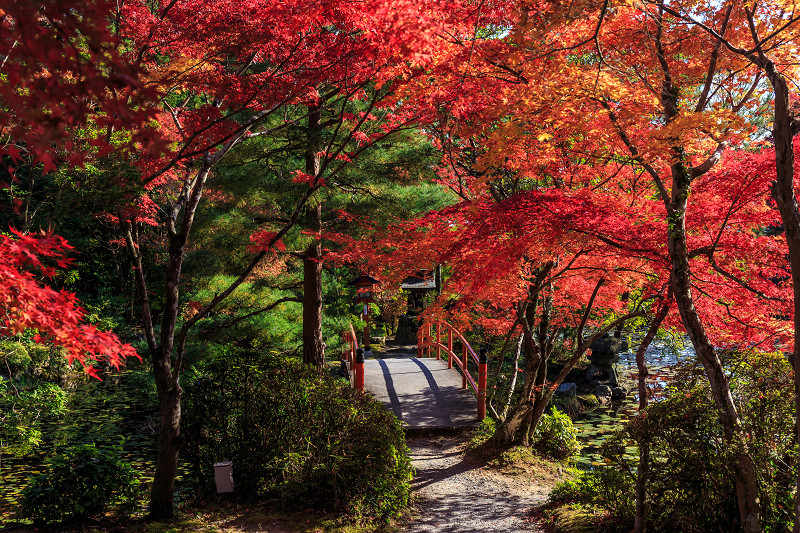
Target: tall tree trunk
(745,478)
(313,353)
(166,359)
(783,131)
(643,468)
(169,442)
(313,350)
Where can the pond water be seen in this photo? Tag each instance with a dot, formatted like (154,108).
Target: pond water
(593,427)
(109,413)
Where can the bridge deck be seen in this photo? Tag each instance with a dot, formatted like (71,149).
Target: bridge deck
(422,393)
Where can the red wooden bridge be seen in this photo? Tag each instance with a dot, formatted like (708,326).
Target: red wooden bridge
(435,389)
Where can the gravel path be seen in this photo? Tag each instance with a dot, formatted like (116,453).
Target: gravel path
(457,494)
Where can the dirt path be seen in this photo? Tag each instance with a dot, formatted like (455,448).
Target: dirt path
(457,494)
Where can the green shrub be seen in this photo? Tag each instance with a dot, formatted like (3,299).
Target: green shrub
(604,486)
(691,484)
(480,435)
(14,358)
(291,434)
(25,408)
(555,436)
(79,483)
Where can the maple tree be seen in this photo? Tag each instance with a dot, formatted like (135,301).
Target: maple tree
(28,304)
(61,70)
(631,108)
(766,35)
(228,75)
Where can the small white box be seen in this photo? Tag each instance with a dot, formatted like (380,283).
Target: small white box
(223,476)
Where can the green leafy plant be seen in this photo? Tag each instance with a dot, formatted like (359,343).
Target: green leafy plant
(555,436)
(81,482)
(23,409)
(14,358)
(691,482)
(307,440)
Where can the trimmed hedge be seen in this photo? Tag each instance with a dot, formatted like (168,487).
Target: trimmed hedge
(79,483)
(310,441)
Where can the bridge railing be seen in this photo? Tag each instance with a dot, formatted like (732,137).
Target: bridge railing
(427,341)
(354,356)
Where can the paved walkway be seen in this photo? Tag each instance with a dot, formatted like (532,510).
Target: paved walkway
(457,493)
(422,393)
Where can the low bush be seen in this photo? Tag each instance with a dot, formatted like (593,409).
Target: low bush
(556,436)
(308,440)
(602,486)
(14,358)
(79,483)
(691,484)
(482,434)
(24,408)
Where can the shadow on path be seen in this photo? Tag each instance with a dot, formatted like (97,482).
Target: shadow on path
(455,494)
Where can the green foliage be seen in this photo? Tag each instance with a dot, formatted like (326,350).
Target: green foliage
(14,357)
(308,440)
(691,485)
(81,482)
(482,434)
(602,486)
(555,436)
(23,410)
(23,359)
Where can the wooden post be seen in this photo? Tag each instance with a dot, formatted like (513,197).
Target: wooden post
(482,364)
(449,348)
(429,334)
(438,340)
(464,365)
(366,326)
(358,370)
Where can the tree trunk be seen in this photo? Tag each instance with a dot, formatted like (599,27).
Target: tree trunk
(783,192)
(313,353)
(313,350)
(169,441)
(745,478)
(643,468)
(515,428)
(512,387)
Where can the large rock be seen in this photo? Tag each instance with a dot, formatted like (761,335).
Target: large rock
(598,373)
(605,353)
(602,391)
(606,349)
(618,394)
(567,390)
(406,330)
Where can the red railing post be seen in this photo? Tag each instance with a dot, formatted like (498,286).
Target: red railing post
(449,348)
(430,338)
(464,366)
(438,340)
(482,363)
(358,370)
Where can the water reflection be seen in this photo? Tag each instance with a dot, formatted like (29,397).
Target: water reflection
(661,357)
